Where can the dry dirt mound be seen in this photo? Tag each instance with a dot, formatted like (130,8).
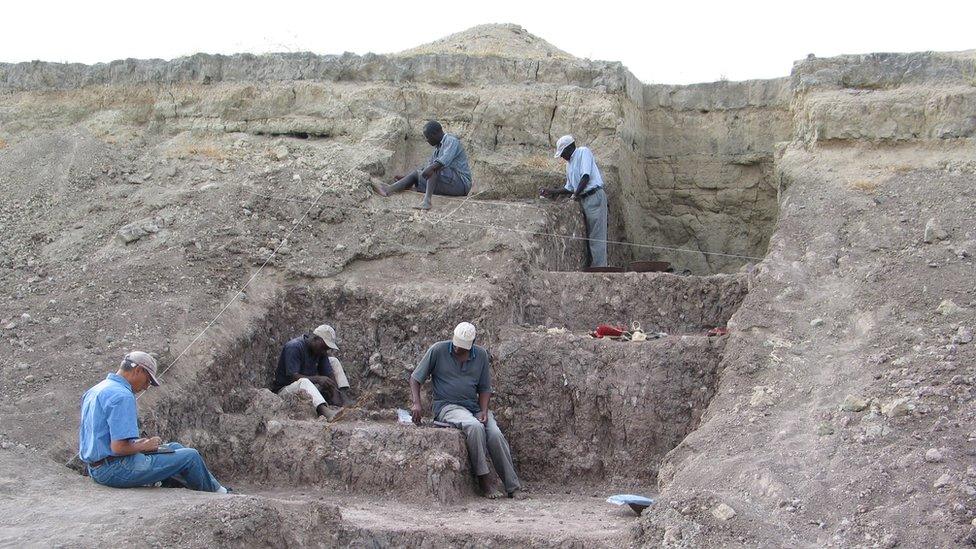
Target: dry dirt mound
(492,40)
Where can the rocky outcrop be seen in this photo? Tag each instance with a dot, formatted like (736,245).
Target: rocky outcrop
(686,166)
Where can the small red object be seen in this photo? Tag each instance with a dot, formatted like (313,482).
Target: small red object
(718,332)
(605,330)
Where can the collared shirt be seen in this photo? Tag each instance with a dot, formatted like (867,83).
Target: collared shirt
(455,383)
(451,155)
(580,164)
(108,412)
(297,358)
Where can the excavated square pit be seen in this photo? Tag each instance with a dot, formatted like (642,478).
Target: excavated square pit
(576,410)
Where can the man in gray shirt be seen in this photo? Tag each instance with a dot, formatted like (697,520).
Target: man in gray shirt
(460,374)
(447,172)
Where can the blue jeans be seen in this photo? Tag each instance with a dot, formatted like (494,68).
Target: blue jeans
(184,465)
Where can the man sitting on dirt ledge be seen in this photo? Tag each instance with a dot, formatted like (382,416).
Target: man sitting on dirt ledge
(109,431)
(305,366)
(460,373)
(447,173)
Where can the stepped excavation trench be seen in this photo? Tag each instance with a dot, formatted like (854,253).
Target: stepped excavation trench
(585,417)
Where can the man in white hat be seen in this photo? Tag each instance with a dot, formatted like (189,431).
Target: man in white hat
(459,371)
(109,442)
(585,183)
(305,366)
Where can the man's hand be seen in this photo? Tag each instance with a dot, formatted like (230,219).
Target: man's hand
(483,416)
(148,444)
(547,193)
(416,412)
(325,381)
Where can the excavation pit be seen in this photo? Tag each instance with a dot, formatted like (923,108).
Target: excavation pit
(577,411)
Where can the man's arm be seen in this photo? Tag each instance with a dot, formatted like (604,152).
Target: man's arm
(123,427)
(417,378)
(583,182)
(434,167)
(318,380)
(415,410)
(449,149)
(326,374)
(128,447)
(293,367)
(483,399)
(553,192)
(484,390)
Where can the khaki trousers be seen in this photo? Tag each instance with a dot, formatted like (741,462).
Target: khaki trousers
(484,440)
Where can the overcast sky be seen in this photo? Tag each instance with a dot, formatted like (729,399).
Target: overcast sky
(675,43)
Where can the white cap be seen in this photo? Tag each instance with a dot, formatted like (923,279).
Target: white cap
(328,335)
(139,358)
(561,145)
(464,335)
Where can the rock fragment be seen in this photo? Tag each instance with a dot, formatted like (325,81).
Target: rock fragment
(898,407)
(273,427)
(723,512)
(279,153)
(854,404)
(934,232)
(948,308)
(137,229)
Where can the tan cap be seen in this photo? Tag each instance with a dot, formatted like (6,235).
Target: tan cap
(145,360)
(328,335)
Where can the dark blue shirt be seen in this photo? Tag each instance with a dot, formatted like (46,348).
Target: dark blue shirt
(455,383)
(108,412)
(297,358)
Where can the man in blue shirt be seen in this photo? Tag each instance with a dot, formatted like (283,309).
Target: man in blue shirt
(109,441)
(305,366)
(447,172)
(585,183)
(459,371)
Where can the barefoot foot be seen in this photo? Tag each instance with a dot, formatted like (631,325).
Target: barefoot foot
(379,188)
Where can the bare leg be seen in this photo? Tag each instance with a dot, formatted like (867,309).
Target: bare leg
(431,183)
(402,184)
